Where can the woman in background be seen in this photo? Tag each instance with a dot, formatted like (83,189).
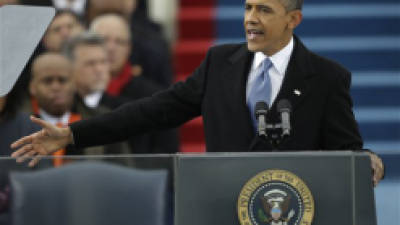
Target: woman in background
(13,124)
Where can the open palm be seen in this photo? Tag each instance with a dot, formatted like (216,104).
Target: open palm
(44,142)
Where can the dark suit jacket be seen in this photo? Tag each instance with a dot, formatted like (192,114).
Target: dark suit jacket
(151,142)
(322,116)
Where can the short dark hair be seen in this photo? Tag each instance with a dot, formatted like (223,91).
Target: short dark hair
(293,4)
(85,38)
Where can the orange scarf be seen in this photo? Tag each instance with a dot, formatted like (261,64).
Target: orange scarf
(72,118)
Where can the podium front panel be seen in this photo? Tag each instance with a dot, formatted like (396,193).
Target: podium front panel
(207,187)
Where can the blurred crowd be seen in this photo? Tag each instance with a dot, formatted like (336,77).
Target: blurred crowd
(95,56)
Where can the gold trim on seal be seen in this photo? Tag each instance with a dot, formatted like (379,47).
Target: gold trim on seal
(268,176)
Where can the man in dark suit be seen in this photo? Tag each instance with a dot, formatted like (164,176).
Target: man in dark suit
(91,72)
(129,83)
(221,89)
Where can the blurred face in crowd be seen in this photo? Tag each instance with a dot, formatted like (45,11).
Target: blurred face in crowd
(62,28)
(268,25)
(91,69)
(8,2)
(116,34)
(51,83)
(129,7)
(99,7)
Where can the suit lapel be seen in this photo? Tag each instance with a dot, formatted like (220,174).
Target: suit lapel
(236,80)
(295,86)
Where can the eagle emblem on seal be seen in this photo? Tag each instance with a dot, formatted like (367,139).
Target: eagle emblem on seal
(275,204)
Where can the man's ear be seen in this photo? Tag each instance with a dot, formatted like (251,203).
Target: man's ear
(295,18)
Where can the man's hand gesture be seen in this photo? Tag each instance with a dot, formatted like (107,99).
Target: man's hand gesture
(377,168)
(44,142)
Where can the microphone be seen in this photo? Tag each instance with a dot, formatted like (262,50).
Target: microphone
(285,108)
(261,110)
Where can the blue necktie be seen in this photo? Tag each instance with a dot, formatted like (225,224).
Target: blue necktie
(260,90)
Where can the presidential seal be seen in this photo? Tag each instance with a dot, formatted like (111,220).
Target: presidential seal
(275,197)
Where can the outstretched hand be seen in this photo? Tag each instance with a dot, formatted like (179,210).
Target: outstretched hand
(377,168)
(44,142)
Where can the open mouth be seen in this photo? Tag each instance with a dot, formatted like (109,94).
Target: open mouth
(254,33)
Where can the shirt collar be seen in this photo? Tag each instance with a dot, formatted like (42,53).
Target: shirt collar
(280,60)
(93,100)
(64,119)
(77,6)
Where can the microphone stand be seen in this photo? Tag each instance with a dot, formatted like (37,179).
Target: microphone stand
(274,134)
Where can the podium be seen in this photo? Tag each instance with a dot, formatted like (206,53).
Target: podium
(328,188)
(207,187)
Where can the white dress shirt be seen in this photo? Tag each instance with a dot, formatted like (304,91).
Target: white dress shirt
(64,119)
(77,6)
(280,61)
(93,100)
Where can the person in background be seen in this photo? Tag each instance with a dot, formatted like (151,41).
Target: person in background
(128,82)
(8,2)
(52,92)
(91,75)
(53,99)
(149,43)
(52,88)
(76,6)
(149,48)
(90,68)
(13,124)
(64,26)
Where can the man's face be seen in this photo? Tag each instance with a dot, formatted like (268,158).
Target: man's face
(117,43)
(100,7)
(62,28)
(8,2)
(52,85)
(268,25)
(91,69)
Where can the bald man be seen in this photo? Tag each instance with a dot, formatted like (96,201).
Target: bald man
(127,81)
(115,30)
(52,90)
(100,7)
(52,87)
(149,50)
